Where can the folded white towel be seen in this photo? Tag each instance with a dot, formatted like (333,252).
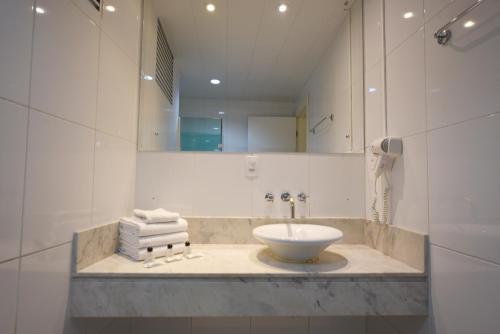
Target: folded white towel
(156,216)
(139,254)
(137,227)
(156,240)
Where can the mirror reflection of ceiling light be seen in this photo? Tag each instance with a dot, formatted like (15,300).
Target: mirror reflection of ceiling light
(148,77)
(408,15)
(215,81)
(469,24)
(216,129)
(221,113)
(39,10)
(372,90)
(110,8)
(210,7)
(282,7)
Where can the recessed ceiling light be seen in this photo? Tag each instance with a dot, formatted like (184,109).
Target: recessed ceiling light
(148,77)
(408,15)
(469,24)
(221,113)
(40,10)
(372,90)
(110,8)
(210,7)
(216,129)
(215,81)
(282,7)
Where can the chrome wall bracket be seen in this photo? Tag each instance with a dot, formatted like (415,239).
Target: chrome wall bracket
(443,34)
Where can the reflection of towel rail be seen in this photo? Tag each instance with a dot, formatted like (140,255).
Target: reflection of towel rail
(313,129)
(443,34)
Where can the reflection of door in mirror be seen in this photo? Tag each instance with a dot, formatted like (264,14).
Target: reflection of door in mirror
(301,121)
(201,134)
(271,134)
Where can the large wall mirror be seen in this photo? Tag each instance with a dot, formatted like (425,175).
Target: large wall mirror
(252,76)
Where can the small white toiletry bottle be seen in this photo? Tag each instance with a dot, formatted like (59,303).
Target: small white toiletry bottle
(188,254)
(187,248)
(170,251)
(170,256)
(149,259)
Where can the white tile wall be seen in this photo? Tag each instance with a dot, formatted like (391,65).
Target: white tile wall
(43,291)
(463,80)
(464,294)
(13,128)
(409,180)
(221,185)
(89,10)
(374,103)
(404,65)
(450,155)
(118,92)
(278,173)
(175,186)
(123,25)
(64,83)
(402,19)
(16,27)
(432,7)
(57,126)
(464,187)
(114,175)
(373,26)
(336,185)
(8,296)
(214,184)
(58,196)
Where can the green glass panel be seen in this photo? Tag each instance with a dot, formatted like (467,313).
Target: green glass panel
(201,134)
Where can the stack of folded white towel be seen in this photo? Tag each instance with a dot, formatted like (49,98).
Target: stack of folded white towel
(152,228)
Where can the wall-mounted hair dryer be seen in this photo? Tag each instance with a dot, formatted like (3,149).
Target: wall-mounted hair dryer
(385,151)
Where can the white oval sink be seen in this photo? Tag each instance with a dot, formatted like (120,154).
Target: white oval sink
(297,242)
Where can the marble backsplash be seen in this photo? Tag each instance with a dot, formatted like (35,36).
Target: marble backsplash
(93,245)
(403,245)
(213,230)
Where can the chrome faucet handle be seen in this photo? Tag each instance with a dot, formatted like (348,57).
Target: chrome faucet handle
(269,197)
(285,197)
(302,197)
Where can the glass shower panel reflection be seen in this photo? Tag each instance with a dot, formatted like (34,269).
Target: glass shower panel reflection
(201,134)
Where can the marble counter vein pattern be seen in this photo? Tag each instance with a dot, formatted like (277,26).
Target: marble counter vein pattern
(95,244)
(400,244)
(250,261)
(246,297)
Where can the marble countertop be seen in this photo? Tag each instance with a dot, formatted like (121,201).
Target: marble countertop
(251,260)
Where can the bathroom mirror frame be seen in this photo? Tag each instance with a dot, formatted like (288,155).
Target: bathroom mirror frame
(324,121)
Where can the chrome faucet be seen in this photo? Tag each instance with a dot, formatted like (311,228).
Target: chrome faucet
(286,197)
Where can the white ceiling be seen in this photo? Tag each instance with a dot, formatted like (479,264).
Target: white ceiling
(257,53)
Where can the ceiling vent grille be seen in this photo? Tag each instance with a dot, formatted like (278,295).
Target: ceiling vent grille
(164,64)
(96,4)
